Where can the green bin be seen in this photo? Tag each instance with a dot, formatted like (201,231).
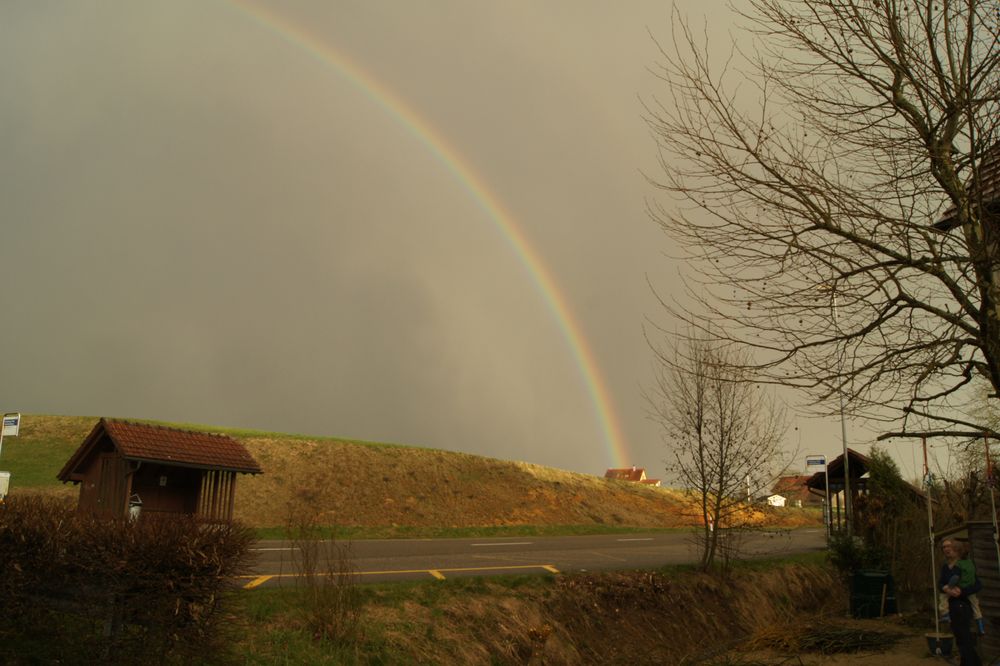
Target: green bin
(873,593)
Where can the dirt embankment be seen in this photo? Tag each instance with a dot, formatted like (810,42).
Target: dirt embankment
(620,618)
(347,483)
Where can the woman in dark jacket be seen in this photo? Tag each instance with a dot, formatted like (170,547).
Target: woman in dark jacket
(958,602)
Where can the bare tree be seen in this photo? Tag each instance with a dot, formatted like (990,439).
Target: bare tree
(724,434)
(837,184)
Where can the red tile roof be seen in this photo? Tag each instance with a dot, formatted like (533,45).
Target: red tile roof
(143,441)
(626,473)
(793,488)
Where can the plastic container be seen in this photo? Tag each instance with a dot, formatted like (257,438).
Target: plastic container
(873,593)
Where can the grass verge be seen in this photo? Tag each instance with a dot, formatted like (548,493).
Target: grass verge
(416,532)
(516,618)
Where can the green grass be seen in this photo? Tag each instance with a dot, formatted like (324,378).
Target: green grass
(250,434)
(35,462)
(815,558)
(277,637)
(405,532)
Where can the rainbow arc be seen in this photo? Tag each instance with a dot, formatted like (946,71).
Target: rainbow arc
(397,108)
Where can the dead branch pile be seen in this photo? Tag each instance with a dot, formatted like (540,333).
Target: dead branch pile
(824,638)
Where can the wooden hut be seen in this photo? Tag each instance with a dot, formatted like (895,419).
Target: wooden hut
(123,466)
(858,465)
(816,484)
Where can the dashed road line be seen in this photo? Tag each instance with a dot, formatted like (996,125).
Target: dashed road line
(436,573)
(259,580)
(505,543)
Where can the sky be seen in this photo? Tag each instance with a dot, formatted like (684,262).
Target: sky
(420,223)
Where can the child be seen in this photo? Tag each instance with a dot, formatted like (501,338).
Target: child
(967,578)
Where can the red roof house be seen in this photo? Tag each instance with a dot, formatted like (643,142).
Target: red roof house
(795,491)
(122,465)
(634,474)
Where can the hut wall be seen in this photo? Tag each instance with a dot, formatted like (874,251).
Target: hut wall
(215,501)
(984,556)
(166,488)
(100,487)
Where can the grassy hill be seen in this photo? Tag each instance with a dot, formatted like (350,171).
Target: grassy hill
(374,486)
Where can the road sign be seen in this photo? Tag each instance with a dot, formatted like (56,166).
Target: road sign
(11,424)
(816,461)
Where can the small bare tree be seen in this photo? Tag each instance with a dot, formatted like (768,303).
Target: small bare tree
(724,434)
(837,185)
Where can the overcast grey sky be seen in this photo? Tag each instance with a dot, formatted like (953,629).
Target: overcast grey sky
(204,222)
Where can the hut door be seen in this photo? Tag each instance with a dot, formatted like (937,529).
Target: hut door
(110,486)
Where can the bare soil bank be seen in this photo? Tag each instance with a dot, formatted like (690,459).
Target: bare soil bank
(635,618)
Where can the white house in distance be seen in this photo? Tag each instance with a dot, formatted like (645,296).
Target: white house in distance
(633,474)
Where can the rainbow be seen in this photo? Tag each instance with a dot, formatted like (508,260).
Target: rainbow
(403,113)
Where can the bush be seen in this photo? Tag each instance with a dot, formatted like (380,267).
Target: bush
(83,589)
(327,584)
(850,554)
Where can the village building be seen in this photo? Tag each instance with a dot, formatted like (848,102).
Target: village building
(633,474)
(794,491)
(126,468)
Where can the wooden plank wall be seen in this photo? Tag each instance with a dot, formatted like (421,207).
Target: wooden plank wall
(984,556)
(218,490)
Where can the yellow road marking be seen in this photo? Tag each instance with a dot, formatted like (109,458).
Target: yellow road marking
(437,573)
(259,580)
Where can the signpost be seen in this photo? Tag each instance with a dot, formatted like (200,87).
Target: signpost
(9,428)
(814,463)
(11,424)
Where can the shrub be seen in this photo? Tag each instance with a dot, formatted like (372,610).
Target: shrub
(79,588)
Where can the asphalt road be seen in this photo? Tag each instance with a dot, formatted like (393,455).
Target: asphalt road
(409,559)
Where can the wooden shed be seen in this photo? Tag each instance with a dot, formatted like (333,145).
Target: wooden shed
(122,464)
(858,465)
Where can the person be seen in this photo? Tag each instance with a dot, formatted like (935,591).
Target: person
(959,608)
(965,579)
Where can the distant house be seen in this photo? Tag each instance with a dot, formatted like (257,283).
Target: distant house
(795,490)
(633,473)
(124,467)
(776,500)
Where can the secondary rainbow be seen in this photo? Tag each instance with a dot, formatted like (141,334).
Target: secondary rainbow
(402,112)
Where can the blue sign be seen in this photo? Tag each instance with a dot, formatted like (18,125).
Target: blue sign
(11,423)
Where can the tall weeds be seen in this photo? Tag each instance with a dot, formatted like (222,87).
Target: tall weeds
(326,581)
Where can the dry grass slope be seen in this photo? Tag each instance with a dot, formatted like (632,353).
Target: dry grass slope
(382,485)
(350,483)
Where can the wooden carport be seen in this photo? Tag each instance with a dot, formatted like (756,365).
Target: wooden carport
(122,464)
(816,484)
